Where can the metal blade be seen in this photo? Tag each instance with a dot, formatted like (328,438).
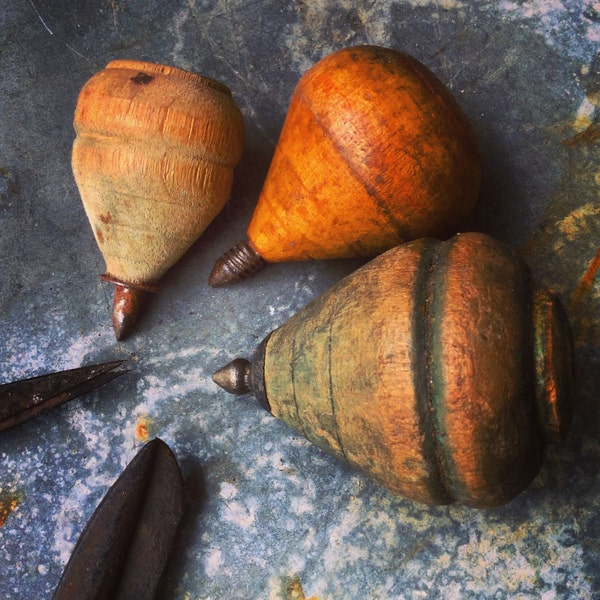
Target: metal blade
(124,547)
(24,399)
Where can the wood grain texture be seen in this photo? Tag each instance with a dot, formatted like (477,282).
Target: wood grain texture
(374,151)
(490,438)
(554,349)
(153,159)
(420,370)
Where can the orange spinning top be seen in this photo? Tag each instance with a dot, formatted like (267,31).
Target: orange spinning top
(374,151)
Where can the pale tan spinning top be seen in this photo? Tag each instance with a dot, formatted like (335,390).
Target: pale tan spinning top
(153,160)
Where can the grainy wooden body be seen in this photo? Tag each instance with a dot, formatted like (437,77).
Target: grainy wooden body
(153,160)
(438,368)
(374,151)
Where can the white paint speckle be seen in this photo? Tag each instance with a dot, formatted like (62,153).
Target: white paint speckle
(242,514)
(228,491)
(213,562)
(550,18)
(585,115)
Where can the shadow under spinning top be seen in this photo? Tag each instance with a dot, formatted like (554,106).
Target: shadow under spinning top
(153,160)
(374,152)
(438,369)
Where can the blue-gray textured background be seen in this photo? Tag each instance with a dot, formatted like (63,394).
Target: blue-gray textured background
(268,516)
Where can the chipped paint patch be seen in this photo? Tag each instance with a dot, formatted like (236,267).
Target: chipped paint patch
(448,566)
(563,24)
(579,223)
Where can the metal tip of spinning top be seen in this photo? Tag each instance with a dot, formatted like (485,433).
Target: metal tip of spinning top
(235,376)
(241,262)
(243,376)
(126,308)
(127,305)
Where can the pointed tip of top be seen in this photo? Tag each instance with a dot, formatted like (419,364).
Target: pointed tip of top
(234,377)
(127,304)
(218,276)
(122,329)
(241,262)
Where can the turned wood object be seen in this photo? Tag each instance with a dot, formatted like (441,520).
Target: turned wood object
(439,369)
(153,160)
(374,151)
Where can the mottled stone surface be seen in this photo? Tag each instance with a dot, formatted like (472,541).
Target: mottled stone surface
(269,516)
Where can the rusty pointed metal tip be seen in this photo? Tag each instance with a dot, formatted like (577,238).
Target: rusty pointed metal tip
(235,377)
(127,304)
(241,262)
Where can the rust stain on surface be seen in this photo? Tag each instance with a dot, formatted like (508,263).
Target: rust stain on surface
(294,591)
(8,504)
(142,429)
(587,281)
(589,136)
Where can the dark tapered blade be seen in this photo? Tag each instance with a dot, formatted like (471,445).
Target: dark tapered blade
(124,547)
(22,400)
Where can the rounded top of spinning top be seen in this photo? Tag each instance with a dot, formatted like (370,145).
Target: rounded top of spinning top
(149,69)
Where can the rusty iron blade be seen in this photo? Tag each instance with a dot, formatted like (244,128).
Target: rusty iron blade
(24,399)
(124,547)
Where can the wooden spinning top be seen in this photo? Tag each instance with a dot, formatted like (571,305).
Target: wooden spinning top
(374,151)
(153,160)
(438,369)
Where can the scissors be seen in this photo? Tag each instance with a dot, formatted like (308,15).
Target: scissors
(21,400)
(123,550)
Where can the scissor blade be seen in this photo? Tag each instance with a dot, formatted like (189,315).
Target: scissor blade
(124,547)
(24,399)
